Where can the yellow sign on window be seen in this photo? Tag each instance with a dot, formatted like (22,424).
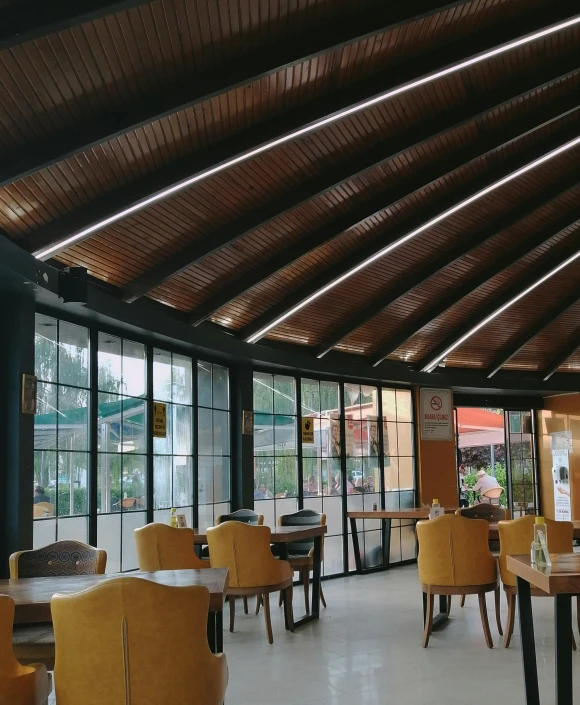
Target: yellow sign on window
(307,430)
(159,420)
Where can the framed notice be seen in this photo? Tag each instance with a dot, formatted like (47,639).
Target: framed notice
(436,414)
(29,385)
(159,420)
(181,521)
(308,430)
(247,423)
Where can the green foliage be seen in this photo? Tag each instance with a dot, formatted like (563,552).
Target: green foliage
(80,500)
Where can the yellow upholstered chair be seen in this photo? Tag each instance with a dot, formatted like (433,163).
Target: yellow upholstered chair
(35,642)
(129,640)
(163,547)
(43,509)
(245,551)
(19,685)
(515,538)
(454,559)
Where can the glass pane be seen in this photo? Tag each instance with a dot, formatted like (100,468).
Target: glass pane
(406,474)
(204,432)
(312,473)
(404,405)
(45,348)
(333,557)
(182,379)
(162,495)
(205,516)
(45,420)
(109,423)
(134,483)
(109,539)
(109,482)
(221,479)
(161,375)
(73,355)
(264,478)
(284,395)
(391,473)
(372,433)
(109,363)
(286,478)
(205,481)
(389,404)
(131,521)
(331,441)
(182,481)
(310,397)
(204,383)
(221,433)
(369,402)
(45,477)
(329,398)
(134,369)
(72,484)
(263,393)
(221,388)
(332,507)
(405,438)
(390,445)
(73,406)
(73,529)
(351,400)
(134,437)
(44,533)
(182,430)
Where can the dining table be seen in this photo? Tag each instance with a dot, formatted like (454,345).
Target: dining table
(281,536)
(32,596)
(561,581)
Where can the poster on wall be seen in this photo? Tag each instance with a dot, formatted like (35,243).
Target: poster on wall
(561,476)
(436,414)
(372,439)
(334,439)
(349,437)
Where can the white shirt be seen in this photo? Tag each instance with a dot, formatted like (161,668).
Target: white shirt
(484,483)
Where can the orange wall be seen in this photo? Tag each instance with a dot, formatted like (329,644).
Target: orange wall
(437,469)
(560,413)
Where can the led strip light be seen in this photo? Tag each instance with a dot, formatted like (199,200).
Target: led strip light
(46,252)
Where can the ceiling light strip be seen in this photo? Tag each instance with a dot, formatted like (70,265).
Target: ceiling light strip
(409,236)
(435,362)
(46,252)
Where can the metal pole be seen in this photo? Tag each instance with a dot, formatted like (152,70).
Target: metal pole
(492,460)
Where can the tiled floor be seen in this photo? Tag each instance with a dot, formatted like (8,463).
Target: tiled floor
(366,650)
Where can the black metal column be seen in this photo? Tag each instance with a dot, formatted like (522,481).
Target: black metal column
(528,643)
(16,428)
(242,445)
(563,624)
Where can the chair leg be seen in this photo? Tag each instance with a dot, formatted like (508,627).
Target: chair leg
(498,611)
(322,598)
(428,618)
(484,620)
(232,601)
(245,601)
(306,583)
(462,601)
(289,610)
(258,603)
(267,617)
(509,629)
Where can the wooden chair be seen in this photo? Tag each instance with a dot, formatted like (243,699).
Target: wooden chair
(492,513)
(35,642)
(43,509)
(127,503)
(454,559)
(19,685)
(132,638)
(246,516)
(301,553)
(515,537)
(493,495)
(245,551)
(163,547)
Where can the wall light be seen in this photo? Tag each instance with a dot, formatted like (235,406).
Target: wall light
(46,252)
(433,364)
(409,236)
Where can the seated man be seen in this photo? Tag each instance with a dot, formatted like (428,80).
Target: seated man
(40,496)
(484,482)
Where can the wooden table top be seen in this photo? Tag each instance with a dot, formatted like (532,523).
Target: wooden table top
(412,513)
(563,577)
(32,595)
(281,534)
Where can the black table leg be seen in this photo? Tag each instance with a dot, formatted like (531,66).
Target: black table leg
(356,547)
(212,632)
(563,625)
(529,644)
(386,539)
(219,629)
(316,576)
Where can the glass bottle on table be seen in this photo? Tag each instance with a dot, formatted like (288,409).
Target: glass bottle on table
(173,518)
(539,553)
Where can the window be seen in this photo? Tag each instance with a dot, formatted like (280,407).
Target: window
(399,468)
(213,433)
(61,432)
(275,454)
(363,457)
(321,465)
(173,479)
(122,469)
(522,463)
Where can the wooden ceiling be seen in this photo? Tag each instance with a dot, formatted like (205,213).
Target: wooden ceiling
(258,165)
